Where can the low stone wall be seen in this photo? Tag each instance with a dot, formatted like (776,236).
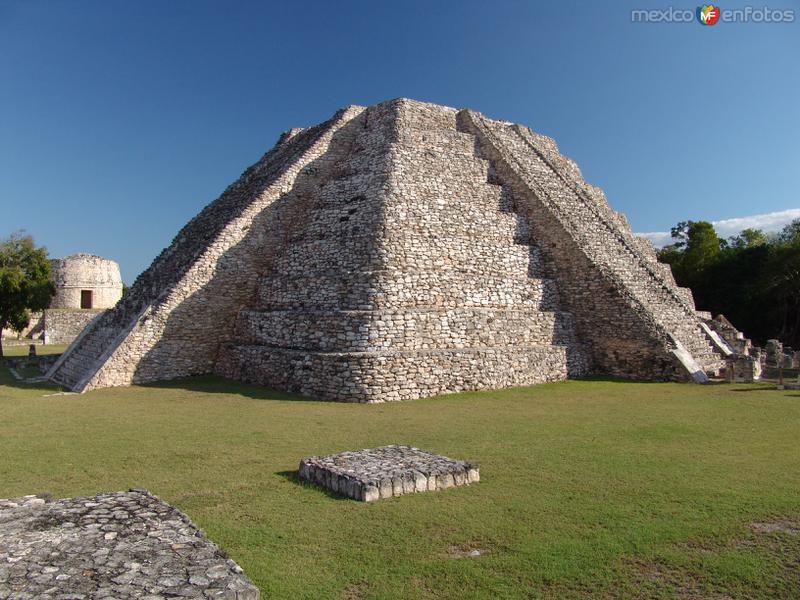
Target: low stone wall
(741,368)
(62,325)
(52,326)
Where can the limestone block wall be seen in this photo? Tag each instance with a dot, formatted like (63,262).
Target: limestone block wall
(55,325)
(79,273)
(63,325)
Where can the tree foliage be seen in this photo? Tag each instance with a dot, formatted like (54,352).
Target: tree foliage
(748,238)
(791,233)
(25,281)
(752,278)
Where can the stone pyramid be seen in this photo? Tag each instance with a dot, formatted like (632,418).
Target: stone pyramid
(398,251)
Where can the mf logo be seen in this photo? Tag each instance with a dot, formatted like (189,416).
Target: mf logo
(708,14)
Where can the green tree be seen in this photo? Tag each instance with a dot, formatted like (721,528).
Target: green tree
(671,254)
(748,238)
(25,283)
(702,246)
(680,233)
(695,249)
(754,280)
(791,233)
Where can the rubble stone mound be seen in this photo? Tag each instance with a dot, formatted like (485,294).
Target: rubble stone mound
(398,251)
(387,471)
(112,545)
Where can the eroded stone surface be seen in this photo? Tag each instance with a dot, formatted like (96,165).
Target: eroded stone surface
(112,545)
(386,471)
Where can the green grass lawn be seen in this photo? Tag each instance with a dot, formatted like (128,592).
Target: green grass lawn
(589,489)
(41,349)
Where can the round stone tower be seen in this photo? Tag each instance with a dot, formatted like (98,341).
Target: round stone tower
(86,281)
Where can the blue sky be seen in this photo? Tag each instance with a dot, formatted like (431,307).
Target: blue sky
(120,120)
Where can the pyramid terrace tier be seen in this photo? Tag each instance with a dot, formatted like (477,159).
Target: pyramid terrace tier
(391,375)
(388,471)
(436,143)
(438,173)
(394,289)
(509,252)
(441,212)
(418,329)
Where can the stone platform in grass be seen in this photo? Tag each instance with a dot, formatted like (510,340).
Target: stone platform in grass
(114,545)
(387,471)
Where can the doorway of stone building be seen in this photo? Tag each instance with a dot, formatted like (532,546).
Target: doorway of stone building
(86,298)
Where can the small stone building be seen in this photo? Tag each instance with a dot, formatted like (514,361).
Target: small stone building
(86,285)
(86,281)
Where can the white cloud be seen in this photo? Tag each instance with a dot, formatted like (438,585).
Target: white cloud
(773,221)
(659,238)
(767,222)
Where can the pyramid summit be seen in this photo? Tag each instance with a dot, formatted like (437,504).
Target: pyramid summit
(398,251)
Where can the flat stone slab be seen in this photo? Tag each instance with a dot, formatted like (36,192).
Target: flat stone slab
(115,545)
(387,471)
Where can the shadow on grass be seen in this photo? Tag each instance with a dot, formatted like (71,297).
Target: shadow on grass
(763,388)
(294,477)
(610,379)
(8,380)
(213,384)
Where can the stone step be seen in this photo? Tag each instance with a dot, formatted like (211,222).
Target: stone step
(84,353)
(394,289)
(608,243)
(699,346)
(386,376)
(603,243)
(415,329)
